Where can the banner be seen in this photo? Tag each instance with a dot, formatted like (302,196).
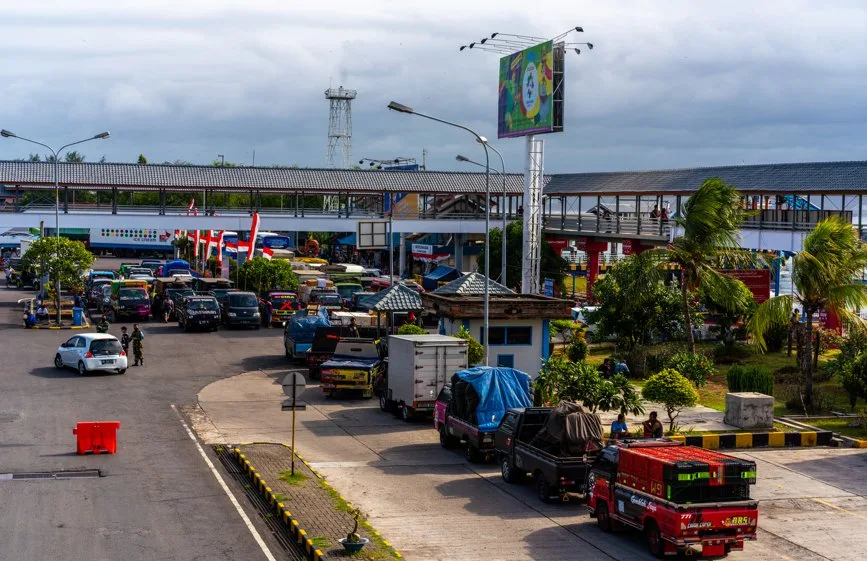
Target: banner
(526,92)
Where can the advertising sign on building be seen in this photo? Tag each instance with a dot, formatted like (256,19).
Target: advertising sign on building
(757,280)
(548,288)
(422,248)
(531,91)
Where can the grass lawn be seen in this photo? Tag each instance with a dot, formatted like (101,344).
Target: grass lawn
(837,425)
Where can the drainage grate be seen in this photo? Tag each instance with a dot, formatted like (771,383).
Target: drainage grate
(39,475)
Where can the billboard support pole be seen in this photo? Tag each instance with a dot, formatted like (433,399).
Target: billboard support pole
(533,174)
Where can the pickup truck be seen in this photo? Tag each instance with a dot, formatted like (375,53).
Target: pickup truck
(677,496)
(455,431)
(355,367)
(325,342)
(522,448)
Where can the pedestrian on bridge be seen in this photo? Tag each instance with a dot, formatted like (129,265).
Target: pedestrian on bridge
(137,345)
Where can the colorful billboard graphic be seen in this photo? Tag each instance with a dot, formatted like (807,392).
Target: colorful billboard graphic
(529,84)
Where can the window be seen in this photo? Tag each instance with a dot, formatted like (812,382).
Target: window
(506,361)
(80,343)
(508,421)
(511,335)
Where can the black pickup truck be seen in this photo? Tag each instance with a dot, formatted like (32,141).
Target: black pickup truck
(325,341)
(523,447)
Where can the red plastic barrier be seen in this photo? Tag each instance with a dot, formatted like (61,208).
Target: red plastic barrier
(98,437)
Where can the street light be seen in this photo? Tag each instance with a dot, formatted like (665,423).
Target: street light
(503,175)
(56,153)
(400,108)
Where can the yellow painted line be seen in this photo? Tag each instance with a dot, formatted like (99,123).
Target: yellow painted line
(710,441)
(317,555)
(776,439)
(301,535)
(678,438)
(808,438)
(839,508)
(860,444)
(744,440)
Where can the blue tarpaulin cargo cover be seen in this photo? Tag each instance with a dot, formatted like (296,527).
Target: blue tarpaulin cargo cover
(499,389)
(302,328)
(442,273)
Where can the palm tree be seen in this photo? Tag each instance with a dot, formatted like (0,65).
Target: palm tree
(710,223)
(825,277)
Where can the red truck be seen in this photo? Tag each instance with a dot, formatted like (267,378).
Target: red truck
(679,496)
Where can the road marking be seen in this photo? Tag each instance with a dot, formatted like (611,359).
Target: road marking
(225,487)
(835,507)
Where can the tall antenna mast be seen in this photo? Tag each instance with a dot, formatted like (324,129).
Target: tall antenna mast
(339,127)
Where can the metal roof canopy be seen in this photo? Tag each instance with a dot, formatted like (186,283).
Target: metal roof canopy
(835,178)
(137,177)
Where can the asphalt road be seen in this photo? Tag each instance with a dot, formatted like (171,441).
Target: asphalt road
(157,499)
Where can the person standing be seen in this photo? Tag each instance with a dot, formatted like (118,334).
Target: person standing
(124,340)
(168,308)
(268,311)
(137,345)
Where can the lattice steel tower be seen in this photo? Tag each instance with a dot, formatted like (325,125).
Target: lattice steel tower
(339,127)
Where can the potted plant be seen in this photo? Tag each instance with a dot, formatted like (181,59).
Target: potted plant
(353,543)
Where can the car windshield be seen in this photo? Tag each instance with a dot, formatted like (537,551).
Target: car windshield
(222,292)
(178,292)
(103,347)
(346,291)
(133,295)
(243,300)
(328,298)
(199,305)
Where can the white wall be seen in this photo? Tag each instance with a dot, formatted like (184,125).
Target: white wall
(528,358)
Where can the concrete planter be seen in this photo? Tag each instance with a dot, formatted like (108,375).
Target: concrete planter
(749,410)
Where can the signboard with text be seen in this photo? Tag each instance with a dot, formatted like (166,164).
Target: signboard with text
(757,280)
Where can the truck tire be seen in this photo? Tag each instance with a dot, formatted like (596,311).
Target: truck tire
(384,404)
(543,489)
(507,470)
(446,440)
(406,413)
(603,517)
(654,538)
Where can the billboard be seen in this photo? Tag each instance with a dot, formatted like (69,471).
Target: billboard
(371,234)
(530,94)
(757,280)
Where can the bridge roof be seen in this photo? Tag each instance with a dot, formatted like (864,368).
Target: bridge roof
(802,178)
(195,178)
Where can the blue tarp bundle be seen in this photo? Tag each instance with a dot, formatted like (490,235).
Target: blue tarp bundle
(443,273)
(302,328)
(498,389)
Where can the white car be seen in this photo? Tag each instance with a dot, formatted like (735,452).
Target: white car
(89,352)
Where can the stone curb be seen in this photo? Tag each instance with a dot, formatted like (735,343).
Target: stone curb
(758,440)
(291,523)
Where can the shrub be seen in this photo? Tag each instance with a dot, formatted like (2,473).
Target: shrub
(411,329)
(561,380)
(730,352)
(776,337)
(577,350)
(658,356)
(694,367)
(853,344)
(475,351)
(672,390)
(750,379)
(853,377)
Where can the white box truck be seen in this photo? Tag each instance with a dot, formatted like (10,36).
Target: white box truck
(418,368)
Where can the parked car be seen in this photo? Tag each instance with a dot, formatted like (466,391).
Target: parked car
(242,308)
(198,311)
(90,352)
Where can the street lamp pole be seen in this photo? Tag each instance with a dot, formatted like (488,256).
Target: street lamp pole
(56,154)
(502,175)
(481,140)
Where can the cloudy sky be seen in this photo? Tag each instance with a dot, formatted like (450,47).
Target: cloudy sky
(668,84)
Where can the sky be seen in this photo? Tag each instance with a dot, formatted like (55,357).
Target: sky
(668,84)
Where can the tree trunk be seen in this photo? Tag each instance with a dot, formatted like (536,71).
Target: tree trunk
(690,340)
(806,361)
(791,336)
(816,352)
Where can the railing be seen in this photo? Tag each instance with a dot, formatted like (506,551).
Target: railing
(643,226)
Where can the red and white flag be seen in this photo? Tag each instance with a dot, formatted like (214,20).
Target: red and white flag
(267,253)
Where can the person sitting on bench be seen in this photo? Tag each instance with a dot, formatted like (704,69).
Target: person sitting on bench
(41,313)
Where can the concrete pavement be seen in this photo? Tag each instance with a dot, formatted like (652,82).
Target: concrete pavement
(431,504)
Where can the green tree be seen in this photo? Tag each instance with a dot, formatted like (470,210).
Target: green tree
(74,157)
(730,311)
(635,306)
(475,351)
(825,276)
(562,380)
(411,329)
(142,160)
(552,266)
(708,241)
(853,378)
(672,390)
(694,367)
(260,275)
(65,260)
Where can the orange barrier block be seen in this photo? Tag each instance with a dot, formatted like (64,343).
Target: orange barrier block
(99,437)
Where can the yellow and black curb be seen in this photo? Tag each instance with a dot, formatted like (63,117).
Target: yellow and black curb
(286,517)
(61,327)
(758,440)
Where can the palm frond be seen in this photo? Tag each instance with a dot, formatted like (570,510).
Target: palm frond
(774,311)
(727,292)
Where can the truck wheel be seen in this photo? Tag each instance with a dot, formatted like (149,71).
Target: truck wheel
(383,401)
(603,518)
(654,539)
(473,455)
(508,471)
(406,414)
(446,439)
(543,489)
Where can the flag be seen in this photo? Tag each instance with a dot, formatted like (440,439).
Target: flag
(267,253)
(220,248)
